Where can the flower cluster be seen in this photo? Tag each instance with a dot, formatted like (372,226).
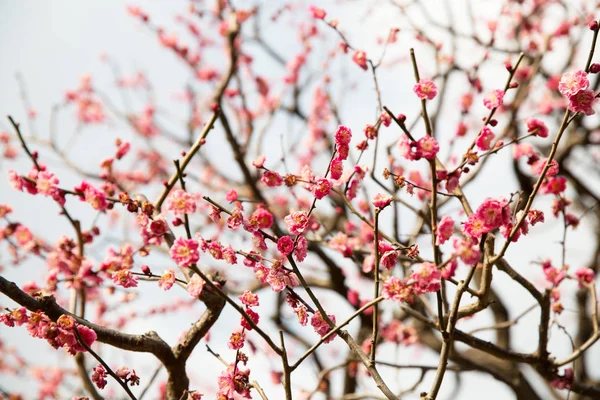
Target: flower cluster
(426,278)
(58,334)
(574,86)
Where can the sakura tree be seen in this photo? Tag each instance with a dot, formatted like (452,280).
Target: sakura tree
(334,212)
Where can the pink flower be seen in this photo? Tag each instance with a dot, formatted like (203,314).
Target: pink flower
(381,200)
(428,147)
(396,289)
(296,222)
(389,258)
(301,249)
(427,278)
(494,212)
(583,101)
(343,135)
(316,12)
(360,58)
(272,179)
(554,185)
(231,383)
(122,150)
(46,183)
(573,82)
(493,99)
(321,188)
(468,251)
(125,278)
(444,230)
(537,127)
(184,252)
(167,280)
(321,326)
(262,217)
(236,340)
(195,285)
(93,196)
(485,138)
(535,216)
(337,168)
(254,317)
(385,119)
(260,161)
(425,89)
(15,180)
(181,202)
(99,377)
(285,245)
(249,299)
(585,275)
(475,226)
(231,196)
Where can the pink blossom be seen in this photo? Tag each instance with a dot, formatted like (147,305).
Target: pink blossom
(337,169)
(93,196)
(124,278)
(260,161)
(181,202)
(467,250)
(231,196)
(317,12)
(381,200)
(301,249)
(425,89)
(493,99)
(46,183)
(195,285)
(585,276)
(573,82)
(426,278)
(389,258)
(343,135)
(236,340)
(231,382)
(99,377)
(360,58)
(249,299)
(322,188)
(321,326)
(444,230)
(485,138)
(385,119)
(285,245)
(554,185)
(254,317)
(167,280)
(272,179)
(396,289)
(494,212)
(535,216)
(428,147)
(122,150)
(583,101)
(184,252)
(475,226)
(296,222)
(538,166)
(537,127)
(262,217)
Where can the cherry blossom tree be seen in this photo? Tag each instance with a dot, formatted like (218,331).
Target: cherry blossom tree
(312,253)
